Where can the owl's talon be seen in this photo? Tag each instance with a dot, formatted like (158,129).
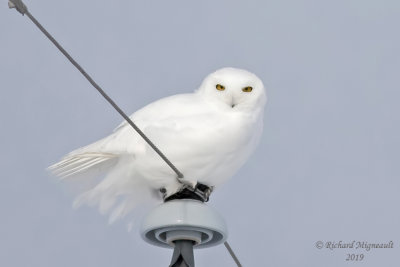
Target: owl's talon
(199,191)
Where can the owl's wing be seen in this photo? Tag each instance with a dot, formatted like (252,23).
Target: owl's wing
(160,117)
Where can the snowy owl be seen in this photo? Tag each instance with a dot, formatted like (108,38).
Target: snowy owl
(208,135)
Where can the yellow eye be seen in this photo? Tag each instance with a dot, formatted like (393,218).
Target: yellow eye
(247,89)
(220,87)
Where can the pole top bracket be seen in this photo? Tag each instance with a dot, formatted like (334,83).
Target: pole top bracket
(18,5)
(184,219)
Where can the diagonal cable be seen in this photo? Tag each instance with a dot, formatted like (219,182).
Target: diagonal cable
(228,247)
(19,5)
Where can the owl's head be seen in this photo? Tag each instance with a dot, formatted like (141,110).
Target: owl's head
(234,88)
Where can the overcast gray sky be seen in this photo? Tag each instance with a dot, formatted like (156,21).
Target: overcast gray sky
(328,165)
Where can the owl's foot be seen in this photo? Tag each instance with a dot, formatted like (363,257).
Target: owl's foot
(199,191)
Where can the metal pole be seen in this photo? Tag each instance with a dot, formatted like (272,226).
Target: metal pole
(183,254)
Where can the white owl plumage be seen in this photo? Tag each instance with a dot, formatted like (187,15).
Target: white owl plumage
(208,135)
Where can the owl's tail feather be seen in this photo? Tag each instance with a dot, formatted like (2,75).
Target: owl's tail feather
(108,181)
(80,163)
